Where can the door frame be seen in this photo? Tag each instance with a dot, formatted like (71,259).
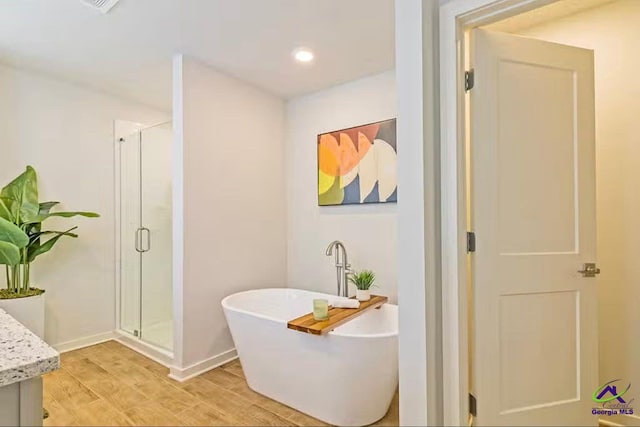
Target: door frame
(457,17)
(118,133)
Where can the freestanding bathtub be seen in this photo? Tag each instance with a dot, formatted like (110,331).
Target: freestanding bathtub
(346,378)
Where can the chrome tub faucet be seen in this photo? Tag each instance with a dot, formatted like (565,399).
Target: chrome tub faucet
(343,268)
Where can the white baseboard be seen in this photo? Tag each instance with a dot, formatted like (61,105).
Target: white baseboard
(159,355)
(635,418)
(184,374)
(84,342)
(608,423)
(620,421)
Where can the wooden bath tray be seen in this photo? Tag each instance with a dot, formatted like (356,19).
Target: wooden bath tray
(337,317)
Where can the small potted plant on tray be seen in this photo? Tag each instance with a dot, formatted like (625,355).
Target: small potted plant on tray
(363,280)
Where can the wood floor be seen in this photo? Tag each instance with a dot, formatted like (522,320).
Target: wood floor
(110,385)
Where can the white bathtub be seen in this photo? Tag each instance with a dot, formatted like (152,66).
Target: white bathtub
(347,377)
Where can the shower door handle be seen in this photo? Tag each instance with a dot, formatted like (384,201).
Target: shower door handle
(148,239)
(138,240)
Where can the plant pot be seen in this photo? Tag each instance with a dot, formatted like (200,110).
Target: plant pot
(29,311)
(362,295)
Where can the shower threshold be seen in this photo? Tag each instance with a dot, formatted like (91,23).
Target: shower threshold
(153,352)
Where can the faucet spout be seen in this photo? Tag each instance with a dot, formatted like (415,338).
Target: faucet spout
(342,266)
(329,251)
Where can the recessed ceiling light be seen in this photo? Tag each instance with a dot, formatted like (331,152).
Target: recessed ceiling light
(303,55)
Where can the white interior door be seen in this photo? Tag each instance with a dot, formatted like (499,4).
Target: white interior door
(533,211)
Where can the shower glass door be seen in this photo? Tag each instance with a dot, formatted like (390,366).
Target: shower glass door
(155,237)
(130,259)
(146,235)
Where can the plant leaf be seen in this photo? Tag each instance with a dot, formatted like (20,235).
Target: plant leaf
(21,195)
(36,249)
(38,234)
(11,233)
(45,207)
(34,238)
(43,217)
(72,214)
(363,280)
(9,254)
(5,211)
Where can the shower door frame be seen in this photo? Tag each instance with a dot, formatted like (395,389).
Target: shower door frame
(155,352)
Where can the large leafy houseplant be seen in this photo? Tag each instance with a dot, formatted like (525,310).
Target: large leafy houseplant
(22,236)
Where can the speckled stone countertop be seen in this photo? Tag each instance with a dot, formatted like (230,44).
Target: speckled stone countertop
(22,354)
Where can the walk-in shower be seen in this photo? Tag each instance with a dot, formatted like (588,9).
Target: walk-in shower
(143,184)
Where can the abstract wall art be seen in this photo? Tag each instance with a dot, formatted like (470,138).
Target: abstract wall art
(358,165)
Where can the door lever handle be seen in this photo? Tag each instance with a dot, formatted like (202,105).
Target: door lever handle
(589,270)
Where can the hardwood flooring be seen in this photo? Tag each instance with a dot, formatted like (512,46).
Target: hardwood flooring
(110,385)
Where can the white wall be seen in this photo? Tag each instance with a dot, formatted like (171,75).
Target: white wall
(234,235)
(419,251)
(613,31)
(368,231)
(66,133)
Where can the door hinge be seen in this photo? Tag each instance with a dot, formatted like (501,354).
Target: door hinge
(471,241)
(473,405)
(469,80)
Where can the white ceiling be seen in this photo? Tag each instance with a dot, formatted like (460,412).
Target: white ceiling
(128,51)
(553,11)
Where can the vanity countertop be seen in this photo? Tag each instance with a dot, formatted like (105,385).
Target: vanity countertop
(22,354)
